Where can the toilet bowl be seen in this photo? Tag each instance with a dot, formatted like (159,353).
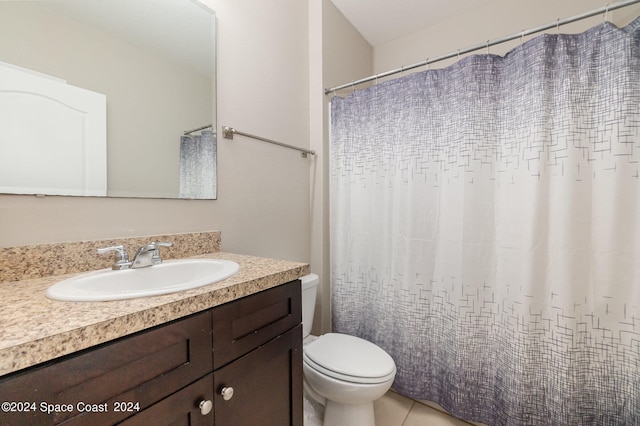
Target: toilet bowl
(344,373)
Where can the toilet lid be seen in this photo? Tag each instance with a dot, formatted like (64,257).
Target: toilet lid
(349,358)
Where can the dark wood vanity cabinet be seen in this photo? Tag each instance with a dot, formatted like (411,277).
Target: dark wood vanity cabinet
(236,364)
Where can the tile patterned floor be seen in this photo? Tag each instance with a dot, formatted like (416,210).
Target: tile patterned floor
(396,410)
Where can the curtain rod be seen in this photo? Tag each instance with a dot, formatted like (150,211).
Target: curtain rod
(188,132)
(605,9)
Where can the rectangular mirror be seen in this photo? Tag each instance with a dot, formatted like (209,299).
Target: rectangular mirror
(153,61)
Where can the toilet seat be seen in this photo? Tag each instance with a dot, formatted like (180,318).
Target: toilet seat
(349,358)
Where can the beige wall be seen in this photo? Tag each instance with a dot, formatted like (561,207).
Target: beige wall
(263,190)
(263,80)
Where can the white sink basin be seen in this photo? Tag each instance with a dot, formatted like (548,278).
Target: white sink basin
(167,277)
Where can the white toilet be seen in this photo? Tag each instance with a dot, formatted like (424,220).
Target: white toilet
(344,373)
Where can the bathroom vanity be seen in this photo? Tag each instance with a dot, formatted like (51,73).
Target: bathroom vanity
(225,354)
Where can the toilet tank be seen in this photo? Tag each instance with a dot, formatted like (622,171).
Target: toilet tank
(309,291)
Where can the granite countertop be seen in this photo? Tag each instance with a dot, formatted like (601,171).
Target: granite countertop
(35,329)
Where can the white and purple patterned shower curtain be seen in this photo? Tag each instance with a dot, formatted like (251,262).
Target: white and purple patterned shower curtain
(485,230)
(198,163)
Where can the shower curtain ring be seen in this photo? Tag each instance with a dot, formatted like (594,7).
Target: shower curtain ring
(488,47)
(522,37)
(558,26)
(606,12)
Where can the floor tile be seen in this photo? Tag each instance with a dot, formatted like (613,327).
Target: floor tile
(392,409)
(421,415)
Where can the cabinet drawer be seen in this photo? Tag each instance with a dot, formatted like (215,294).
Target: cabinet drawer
(242,325)
(142,369)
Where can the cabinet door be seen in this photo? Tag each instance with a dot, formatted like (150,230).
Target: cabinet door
(181,408)
(267,385)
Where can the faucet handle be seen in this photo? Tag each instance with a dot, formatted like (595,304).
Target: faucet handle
(122,257)
(155,246)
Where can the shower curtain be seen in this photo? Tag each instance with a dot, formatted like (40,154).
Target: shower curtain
(198,166)
(485,230)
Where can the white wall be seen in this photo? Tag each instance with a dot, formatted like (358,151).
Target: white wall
(263,190)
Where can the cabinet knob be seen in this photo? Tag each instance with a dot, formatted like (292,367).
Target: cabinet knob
(205,407)
(227,393)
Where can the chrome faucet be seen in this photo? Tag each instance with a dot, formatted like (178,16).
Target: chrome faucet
(147,255)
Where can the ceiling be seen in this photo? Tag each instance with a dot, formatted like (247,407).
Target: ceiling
(380,21)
